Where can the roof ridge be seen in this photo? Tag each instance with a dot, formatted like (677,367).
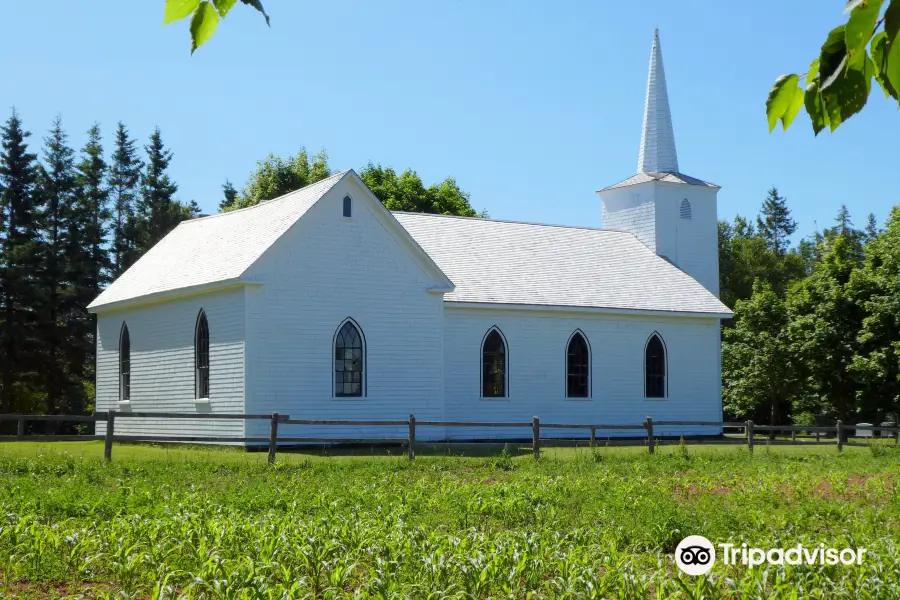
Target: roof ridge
(339,175)
(484,220)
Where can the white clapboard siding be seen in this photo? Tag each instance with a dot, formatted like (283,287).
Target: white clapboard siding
(162,364)
(325,269)
(537,342)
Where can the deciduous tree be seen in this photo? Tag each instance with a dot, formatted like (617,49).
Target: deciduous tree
(839,79)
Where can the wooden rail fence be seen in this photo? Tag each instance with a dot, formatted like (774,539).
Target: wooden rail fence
(651,436)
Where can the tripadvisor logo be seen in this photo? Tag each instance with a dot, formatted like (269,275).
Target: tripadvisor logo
(696,555)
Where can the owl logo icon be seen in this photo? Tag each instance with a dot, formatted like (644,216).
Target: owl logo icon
(695,555)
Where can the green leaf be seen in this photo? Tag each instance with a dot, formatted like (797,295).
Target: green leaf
(813,70)
(784,101)
(892,20)
(833,57)
(892,64)
(879,56)
(792,109)
(257,4)
(178,9)
(203,25)
(223,6)
(846,96)
(860,27)
(815,107)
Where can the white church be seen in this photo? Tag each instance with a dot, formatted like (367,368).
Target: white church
(322,304)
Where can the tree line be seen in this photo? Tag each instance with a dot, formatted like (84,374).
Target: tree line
(816,330)
(72,221)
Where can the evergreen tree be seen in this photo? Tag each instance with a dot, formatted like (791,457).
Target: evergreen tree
(57,187)
(775,224)
(844,228)
(871,230)
(158,211)
(745,257)
(89,259)
(19,261)
(231,196)
(124,179)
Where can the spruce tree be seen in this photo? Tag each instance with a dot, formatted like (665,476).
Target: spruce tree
(775,224)
(89,259)
(18,263)
(56,182)
(871,230)
(124,179)
(231,196)
(158,211)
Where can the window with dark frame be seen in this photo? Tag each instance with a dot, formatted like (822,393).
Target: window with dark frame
(348,206)
(124,365)
(201,358)
(655,367)
(349,362)
(578,359)
(493,366)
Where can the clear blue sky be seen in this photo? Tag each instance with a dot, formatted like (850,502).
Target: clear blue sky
(531,105)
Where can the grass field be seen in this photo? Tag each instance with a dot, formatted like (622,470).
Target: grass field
(166,522)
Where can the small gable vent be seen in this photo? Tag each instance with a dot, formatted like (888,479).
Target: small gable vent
(685,209)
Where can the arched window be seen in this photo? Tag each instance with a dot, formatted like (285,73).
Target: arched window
(493,365)
(578,367)
(201,357)
(685,209)
(655,368)
(348,206)
(349,361)
(124,364)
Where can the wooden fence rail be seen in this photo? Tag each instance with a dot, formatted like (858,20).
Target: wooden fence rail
(653,430)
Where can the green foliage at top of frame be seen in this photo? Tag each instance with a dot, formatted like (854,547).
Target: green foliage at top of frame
(204,16)
(839,79)
(204,523)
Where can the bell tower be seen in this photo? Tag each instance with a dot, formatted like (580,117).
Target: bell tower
(673,214)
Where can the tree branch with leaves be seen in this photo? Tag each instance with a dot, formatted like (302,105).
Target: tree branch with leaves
(205,15)
(838,82)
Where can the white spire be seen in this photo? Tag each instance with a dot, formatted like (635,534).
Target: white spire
(657,153)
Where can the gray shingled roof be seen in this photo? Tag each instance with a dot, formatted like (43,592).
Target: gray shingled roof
(502,262)
(213,249)
(666,177)
(488,261)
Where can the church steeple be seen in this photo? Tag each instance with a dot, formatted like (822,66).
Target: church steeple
(657,154)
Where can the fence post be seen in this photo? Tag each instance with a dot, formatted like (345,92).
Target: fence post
(749,428)
(107,442)
(651,442)
(20,427)
(273,438)
(594,436)
(536,437)
(840,435)
(793,436)
(898,437)
(411,450)
(817,437)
